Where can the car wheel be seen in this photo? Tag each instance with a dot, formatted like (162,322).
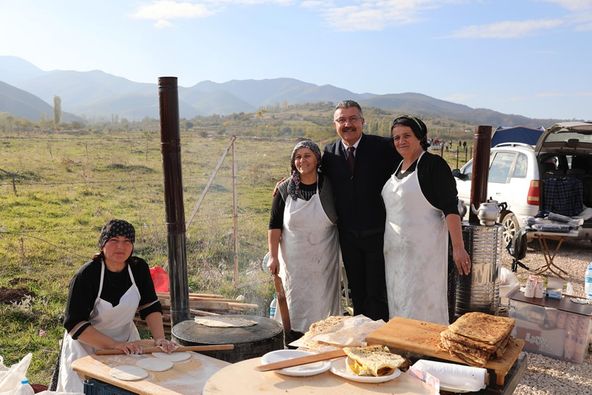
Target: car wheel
(511,226)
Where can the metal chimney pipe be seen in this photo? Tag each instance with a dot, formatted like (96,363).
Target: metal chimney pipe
(173,197)
(480,173)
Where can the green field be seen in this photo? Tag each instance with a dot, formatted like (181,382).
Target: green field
(57,189)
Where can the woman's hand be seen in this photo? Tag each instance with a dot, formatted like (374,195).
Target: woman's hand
(129,347)
(165,345)
(462,260)
(273,265)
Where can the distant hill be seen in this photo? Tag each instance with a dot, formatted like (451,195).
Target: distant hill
(23,104)
(98,95)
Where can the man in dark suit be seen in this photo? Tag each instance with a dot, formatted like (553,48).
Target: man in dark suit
(358,166)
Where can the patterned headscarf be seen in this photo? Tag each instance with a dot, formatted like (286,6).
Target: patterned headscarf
(114,228)
(294,183)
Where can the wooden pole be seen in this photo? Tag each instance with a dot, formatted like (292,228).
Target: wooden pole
(480,172)
(173,193)
(234,213)
(210,181)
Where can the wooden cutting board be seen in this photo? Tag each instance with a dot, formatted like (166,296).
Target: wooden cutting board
(423,338)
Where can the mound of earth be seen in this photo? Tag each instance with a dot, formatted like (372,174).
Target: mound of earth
(9,295)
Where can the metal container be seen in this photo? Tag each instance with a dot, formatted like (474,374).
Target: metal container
(479,291)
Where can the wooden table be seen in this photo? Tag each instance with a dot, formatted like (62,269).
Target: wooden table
(186,377)
(242,378)
(423,338)
(548,253)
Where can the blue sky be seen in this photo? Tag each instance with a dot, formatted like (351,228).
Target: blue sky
(528,57)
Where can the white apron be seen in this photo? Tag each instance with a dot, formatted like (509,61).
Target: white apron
(115,322)
(415,252)
(309,263)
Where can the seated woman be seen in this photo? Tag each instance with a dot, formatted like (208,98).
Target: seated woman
(421,209)
(103,298)
(303,241)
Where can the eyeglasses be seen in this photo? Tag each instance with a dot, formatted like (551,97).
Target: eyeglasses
(352,119)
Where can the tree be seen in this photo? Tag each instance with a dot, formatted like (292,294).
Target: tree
(57,111)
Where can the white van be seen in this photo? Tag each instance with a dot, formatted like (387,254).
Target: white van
(518,173)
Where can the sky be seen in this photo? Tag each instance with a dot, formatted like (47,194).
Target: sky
(527,57)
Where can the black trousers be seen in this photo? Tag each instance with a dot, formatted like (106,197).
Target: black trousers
(363,258)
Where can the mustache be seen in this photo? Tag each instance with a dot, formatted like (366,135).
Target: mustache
(350,129)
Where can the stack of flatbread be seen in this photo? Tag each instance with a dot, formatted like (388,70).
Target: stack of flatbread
(477,337)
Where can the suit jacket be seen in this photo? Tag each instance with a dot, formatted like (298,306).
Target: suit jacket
(358,199)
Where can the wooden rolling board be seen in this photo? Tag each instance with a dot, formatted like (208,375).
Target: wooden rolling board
(242,378)
(423,338)
(185,377)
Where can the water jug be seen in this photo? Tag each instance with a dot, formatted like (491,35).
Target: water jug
(588,281)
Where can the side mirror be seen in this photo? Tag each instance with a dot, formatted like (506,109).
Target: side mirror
(456,173)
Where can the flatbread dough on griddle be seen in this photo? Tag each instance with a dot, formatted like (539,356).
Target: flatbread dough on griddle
(224,322)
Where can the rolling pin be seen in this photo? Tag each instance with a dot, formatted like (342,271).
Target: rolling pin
(148,350)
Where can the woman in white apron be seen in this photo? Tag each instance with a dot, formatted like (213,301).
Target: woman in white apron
(303,241)
(103,298)
(421,210)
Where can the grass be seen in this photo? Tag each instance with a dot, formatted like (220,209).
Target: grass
(68,185)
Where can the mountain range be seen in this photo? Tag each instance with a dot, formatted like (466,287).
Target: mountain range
(26,90)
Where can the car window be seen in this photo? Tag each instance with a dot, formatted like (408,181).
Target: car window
(520,166)
(468,170)
(499,170)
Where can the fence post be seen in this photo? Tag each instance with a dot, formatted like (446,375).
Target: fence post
(14,184)
(234,214)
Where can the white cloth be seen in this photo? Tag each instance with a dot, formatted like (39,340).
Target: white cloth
(309,263)
(115,322)
(415,252)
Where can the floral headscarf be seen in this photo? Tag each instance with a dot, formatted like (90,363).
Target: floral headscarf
(294,183)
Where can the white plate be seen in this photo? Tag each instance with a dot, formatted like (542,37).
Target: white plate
(340,368)
(455,390)
(303,370)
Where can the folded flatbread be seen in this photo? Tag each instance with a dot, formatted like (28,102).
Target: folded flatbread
(372,360)
(483,327)
(329,324)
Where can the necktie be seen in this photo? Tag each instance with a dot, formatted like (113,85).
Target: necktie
(351,159)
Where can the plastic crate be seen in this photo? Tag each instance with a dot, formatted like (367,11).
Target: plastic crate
(554,328)
(97,387)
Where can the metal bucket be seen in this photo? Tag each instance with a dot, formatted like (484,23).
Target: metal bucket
(479,291)
(249,341)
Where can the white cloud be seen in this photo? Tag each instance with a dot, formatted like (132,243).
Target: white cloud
(377,14)
(507,29)
(573,5)
(168,9)
(163,11)
(564,94)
